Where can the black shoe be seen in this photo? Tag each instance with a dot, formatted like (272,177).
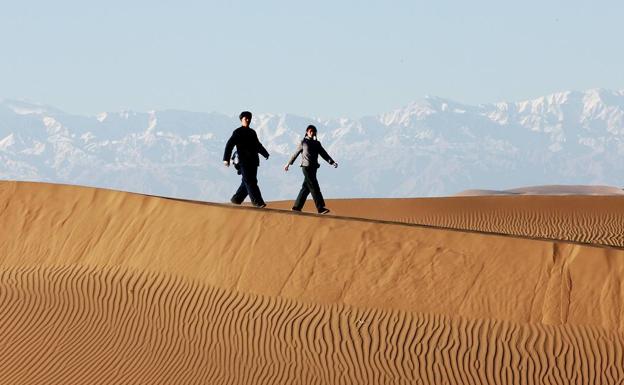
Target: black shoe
(296,209)
(261,205)
(234,202)
(324,210)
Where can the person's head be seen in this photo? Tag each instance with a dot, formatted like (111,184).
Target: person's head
(245,118)
(311,131)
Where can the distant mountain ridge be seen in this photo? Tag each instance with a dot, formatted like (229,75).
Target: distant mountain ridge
(429,147)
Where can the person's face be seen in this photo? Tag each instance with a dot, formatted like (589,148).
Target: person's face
(245,121)
(310,133)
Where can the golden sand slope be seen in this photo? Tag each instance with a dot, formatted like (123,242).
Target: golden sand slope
(108,287)
(580,218)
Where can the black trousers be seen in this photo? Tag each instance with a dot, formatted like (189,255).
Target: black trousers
(248,186)
(310,186)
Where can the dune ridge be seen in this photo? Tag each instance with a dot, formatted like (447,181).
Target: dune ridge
(77,324)
(550,190)
(578,218)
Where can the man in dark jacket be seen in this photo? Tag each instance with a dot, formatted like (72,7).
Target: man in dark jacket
(248,147)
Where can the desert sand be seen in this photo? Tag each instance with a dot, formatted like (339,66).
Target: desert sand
(108,287)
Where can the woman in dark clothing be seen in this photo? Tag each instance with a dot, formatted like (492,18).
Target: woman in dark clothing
(310,148)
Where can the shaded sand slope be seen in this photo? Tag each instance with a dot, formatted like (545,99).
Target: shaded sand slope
(80,325)
(581,218)
(316,259)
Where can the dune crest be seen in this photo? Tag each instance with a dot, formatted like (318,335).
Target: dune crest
(579,218)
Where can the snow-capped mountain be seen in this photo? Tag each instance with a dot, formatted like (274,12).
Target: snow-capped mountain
(430,147)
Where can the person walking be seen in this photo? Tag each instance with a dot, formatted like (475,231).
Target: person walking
(310,149)
(247,147)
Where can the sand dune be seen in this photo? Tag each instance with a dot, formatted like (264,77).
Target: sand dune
(550,190)
(105,287)
(580,218)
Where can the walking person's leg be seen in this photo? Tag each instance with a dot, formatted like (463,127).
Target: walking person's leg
(315,189)
(303,193)
(240,194)
(250,179)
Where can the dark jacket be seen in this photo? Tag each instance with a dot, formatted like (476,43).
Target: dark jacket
(310,150)
(247,145)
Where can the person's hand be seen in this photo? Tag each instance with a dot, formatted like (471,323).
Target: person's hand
(286,167)
(226,163)
(335,165)
(266,157)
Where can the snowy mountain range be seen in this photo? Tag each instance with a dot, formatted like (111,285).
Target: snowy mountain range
(428,148)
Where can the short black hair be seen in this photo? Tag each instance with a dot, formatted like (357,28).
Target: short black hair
(311,127)
(244,114)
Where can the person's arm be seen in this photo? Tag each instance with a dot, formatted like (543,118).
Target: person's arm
(261,150)
(326,156)
(294,157)
(229,146)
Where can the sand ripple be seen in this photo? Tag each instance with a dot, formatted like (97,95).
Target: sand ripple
(73,324)
(605,228)
(587,219)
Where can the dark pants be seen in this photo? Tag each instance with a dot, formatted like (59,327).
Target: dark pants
(248,186)
(310,186)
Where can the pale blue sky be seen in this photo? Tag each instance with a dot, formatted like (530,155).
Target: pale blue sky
(321,58)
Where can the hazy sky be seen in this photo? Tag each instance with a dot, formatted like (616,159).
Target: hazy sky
(316,58)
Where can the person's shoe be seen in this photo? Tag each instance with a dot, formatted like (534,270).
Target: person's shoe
(234,202)
(261,205)
(296,209)
(324,210)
